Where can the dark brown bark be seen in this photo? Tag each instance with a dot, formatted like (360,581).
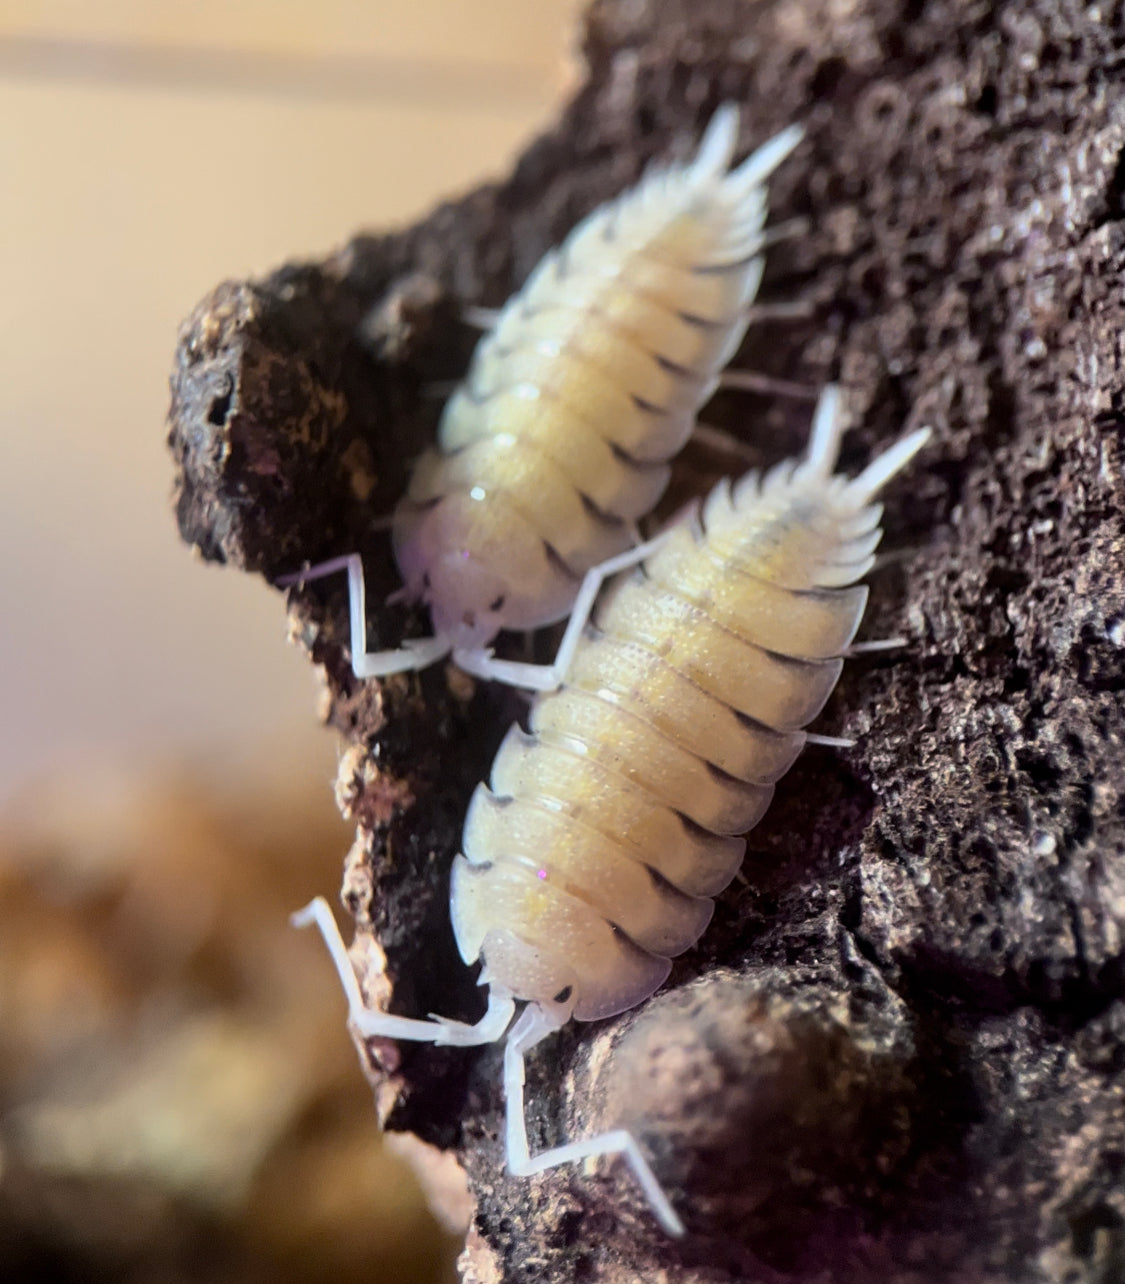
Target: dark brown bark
(899,1053)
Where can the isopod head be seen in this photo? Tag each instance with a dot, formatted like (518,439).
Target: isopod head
(465,599)
(478,570)
(465,593)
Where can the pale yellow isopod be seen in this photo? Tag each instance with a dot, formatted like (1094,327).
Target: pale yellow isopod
(559,438)
(591,858)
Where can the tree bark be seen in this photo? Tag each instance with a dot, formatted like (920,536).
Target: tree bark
(899,1053)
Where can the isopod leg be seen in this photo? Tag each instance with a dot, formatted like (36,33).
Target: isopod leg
(788,230)
(372,1023)
(830,742)
(414,654)
(534,1025)
(546,677)
(752,381)
(794,310)
(480,318)
(875,645)
(721,442)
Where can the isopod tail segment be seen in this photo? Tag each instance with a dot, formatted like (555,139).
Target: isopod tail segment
(535,1023)
(560,437)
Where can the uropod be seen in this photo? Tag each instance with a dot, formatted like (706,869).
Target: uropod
(592,856)
(558,440)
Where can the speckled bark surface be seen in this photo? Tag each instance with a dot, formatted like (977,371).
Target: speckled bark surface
(899,1053)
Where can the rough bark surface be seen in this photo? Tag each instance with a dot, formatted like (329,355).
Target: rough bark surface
(899,1053)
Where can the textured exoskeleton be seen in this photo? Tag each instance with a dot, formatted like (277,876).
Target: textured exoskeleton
(559,438)
(592,856)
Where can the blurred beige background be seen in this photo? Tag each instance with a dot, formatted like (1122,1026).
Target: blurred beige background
(148,150)
(178,1096)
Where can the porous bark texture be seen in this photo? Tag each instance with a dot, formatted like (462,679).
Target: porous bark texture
(899,1053)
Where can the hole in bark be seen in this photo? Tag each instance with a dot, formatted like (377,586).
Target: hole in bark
(1018,680)
(984,850)
(1115,192)
(1039,769)
(828,77)
(220,407)
(987,101)
(1109,981)
(1081,828)
(1100,665)
(1007,578)
(1084,1227)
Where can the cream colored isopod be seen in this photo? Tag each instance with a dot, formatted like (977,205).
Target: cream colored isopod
(592,856)
(559,438)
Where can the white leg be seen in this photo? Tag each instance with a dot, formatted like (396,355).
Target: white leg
(535,1024)
(722,442)
(546,677)
(480,318)
(829,742)
(414,654)
(750,381)
(796,310)
(372,1023)
(856,648)
(875,645)
(784,231)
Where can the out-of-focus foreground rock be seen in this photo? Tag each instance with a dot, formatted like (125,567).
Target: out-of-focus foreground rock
(899,1053)
(176,1102)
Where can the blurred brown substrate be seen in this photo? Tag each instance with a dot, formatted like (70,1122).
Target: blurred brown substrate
(176,1099)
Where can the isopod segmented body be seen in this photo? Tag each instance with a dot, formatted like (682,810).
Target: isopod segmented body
(559,438)
(591,858)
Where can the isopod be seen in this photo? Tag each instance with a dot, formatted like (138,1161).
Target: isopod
(559,438)
(593,855)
